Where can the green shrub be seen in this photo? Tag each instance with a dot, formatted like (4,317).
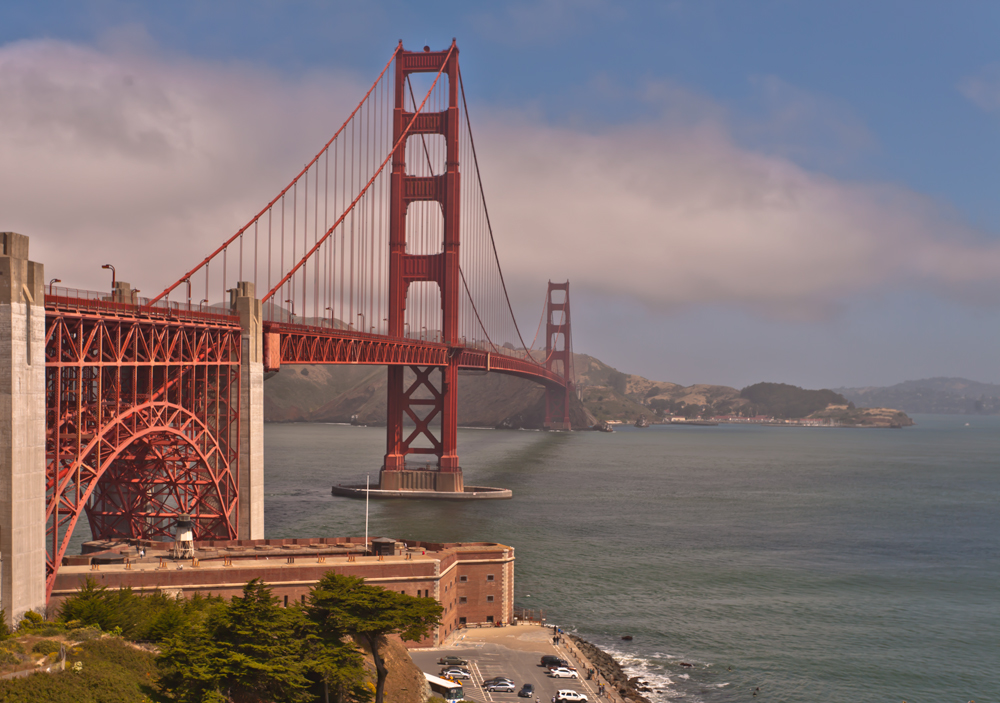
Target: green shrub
(85,634)
(111,672)
(46,647)
(48,629)
(8,656)
(30,621)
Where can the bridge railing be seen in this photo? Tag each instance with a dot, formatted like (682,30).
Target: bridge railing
(106,303)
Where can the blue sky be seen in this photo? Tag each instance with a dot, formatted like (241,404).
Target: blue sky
(807,190)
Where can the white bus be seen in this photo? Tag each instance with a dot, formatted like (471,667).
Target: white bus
(449,690)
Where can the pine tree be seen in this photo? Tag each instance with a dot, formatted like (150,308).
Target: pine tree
(344,604)
(250,648)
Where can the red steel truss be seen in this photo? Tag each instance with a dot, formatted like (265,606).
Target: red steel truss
(298,344)
(142,422)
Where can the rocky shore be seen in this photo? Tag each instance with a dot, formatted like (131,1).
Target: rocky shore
(630,689)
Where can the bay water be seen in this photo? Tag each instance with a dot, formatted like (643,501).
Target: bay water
(797,564)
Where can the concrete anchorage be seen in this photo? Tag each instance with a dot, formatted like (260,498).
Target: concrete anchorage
(251,465)
(22,429)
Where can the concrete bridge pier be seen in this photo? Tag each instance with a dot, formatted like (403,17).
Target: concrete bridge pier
(22,429)
(250,481)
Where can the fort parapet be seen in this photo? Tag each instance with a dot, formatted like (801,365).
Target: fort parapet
(473,581)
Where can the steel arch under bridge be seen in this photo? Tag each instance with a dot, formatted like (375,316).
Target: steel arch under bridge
(142,422)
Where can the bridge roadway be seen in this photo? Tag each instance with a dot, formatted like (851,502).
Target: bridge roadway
(286,343)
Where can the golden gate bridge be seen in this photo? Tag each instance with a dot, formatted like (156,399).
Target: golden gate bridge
(380,251)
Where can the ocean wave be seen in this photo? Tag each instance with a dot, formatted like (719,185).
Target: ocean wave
(652,671)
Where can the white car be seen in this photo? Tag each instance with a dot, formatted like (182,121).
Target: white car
(455,673)
(563,673)
(565,694)
(501,687)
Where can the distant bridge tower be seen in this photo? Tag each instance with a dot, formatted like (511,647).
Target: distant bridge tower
(424,402)
(558,352)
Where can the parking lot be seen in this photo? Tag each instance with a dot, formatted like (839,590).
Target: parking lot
(514,652)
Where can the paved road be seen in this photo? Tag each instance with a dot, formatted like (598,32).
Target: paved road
(491,656)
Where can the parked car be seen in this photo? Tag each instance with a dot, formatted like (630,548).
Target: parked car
(501,687)
(497,679)
(550,660)
(527,691)
(452,661)
(455,673)
(563,673)
(565,694)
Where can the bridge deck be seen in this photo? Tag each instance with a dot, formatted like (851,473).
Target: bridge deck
(300,344)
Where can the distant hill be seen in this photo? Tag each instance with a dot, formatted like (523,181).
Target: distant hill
(931,395)
(782,401)
(338,393)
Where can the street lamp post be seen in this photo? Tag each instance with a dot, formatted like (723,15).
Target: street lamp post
(331,316)
(203,301)
(292,301)
(54,280)
(188,281)
(109,266)
(361,328)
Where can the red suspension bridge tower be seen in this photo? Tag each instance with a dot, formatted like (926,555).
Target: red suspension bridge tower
(424,402)
(558,355)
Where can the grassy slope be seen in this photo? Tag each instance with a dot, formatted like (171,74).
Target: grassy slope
(113,672)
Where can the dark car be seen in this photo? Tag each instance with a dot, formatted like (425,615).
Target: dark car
(551,660)
(527,691)
(453,661)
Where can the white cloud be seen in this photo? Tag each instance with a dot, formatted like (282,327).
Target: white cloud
(149,162)
(145,161)
(682,215)
(983,89)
